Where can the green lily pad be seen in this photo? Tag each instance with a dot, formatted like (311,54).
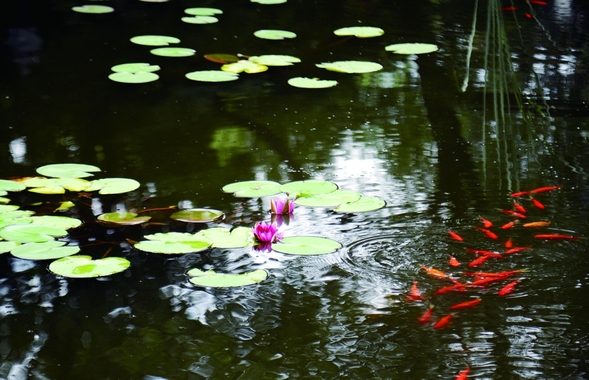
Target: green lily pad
(173,52)
(113,185)
(359,31)
(224,238)
(43,185)
(94,9)
(4,200)
(154,40)
(63,222)
(302,82)
(200,20)
(274,34)
(252,189)
(412,48)
(244,66)
(306,245)
(15,217)
(335,198)
(198,215)
(201,11)
(68,170)
(275,60)
(122,218)
(351,67)
(50,250)
(133,78)
(174,243)
(7,185)
(8,208)
(137,67)
(66,205)
(212,76)
(361,205)
(307,188)
(30,233)
(82,266)
(221,280)
(269,2)
(7,246)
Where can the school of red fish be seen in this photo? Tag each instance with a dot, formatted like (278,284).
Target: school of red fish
(506,282)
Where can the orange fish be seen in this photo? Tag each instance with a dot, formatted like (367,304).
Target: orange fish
(443,322)
(515,250)
(508,288)
(455,236)
(414,293)
(463,375)
(519,207)
(544,189)
(514,213)
(453,262)
(427,316)
(482,252)
(538,2)
(434,272)
(556,236)
(519,194)
(538,204)
(509,9)
(542,223)
(487,232)
(465,305)
(487,223)
(508,243)
(484,281)
(509,225)
(494,274)
(478,261)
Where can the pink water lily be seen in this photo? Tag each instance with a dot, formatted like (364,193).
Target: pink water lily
(267,232)
(281,206)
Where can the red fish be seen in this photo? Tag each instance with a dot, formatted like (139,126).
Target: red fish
(427,316)
(556,236)
(451,288)
(466,305)
(514,213)
(489,233)
(443,322)
(455,236)
(508,243)
(542,223)
(482,252)
(484,281)
(538,204)
(509,225)
(538,2)
(463,375)
(519,207)
(478,261)
(434,272)
(487,223)
(519,194)
(453,262)
(414,293)
(494,274)
(509,9)
(528,15)
(544,189)
(508,288)
(515,250)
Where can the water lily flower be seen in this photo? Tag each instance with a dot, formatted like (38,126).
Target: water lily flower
(267,232)
(281,206)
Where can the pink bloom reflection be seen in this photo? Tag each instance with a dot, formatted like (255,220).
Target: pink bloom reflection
(266,232)
(281,206)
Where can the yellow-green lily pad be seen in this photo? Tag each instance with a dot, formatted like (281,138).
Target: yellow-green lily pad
(222,280)
(351,67)
(224,238)
(306,245)
(122,218)
(200,19)
(274,34)
(198,215)
(93,9)
(68,170)
(244,66)
(212,76)
(412,48)
(50,250)
(202,11)
(302,82)
(332,199)
(174,243)
(307,188)
(359,31)
(274,60)
(31,233)
(63,222)
(173,52)
(362,205)
(154,40)
(113,185)
(251,189)
(82,266)
(7,185)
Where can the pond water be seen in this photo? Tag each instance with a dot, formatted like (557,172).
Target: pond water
(444,138)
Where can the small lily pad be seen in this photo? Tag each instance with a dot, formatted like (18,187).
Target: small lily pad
(68,170)
(198,215)
(201,11)
(306,245)
(212,76)
(269,2)
(174,243)
(307,188)
(244,66)
(274,34)
(154,40)
(252,189)
(94,9)
(222,58)
(50,250)
(173,52)
(113,185)
(7,185)
(122,218)
(135,67)
(133,78)
(224,238)
(301,82)
(351,67)
(82,266)
(221,280)
(412,48)
(30,233)
(275,60)
(362,205)
(359,31)
(200,20)
(332,199)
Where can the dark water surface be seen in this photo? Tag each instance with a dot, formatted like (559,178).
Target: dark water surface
(443,138)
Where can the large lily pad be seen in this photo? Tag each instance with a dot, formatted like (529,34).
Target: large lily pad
(8,208)
(113,185)
(154,40)
(134,78)
(31,233)
(82,266)
(275,60)
(359,31)
(7,246)
(63,222)
(122,218)
(244,66)
(221,280)
(173,52)
(200,19)
(332,199)
(212,76)
(306,245)
(362,205)
(302,82)
(135,67)
(7,185)
(412,48)
(173,243)
(68,170)
(93,9)
(202,11)
(50,250)
(307,188)
(224,238)
(274,34)
(198,215)
(351,67)
(251,189)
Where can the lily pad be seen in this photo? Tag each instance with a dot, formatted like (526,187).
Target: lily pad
(198,215)
(201,11)
(154,40)
(275,60)
(43,185)
(173,52)
(135,67)
(7,246)
(302,82)
(412,48)
(224,238)
(306,245)
(362,205)
(31,233)
(174,243)
(212,76)
(359,31)
(274,34)
(113,185)
(68,170)
(7,185)
(63,222)
(8,208)
(222,58)
(351,67)
(252,189)
(269,2)
(82,266)
(50,250)
(133,78)
(335,198)
(94,9)
(244,66)
(307,188)
(200,20)
(221,280)
(15,217)
(122,218)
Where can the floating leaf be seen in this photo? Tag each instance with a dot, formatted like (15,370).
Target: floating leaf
(200,20)
(7,208)
(212,76)
(335,198)
(198,215)
(221,280)
(113,185)
(306,245)
(122,218)
(154,40)
(412,48)
(203,11)
(7,185)
(361,205)
(307,188)
(82,266)
(63,206)
(273,34)
(222,58)
(50,250)
(351,67)
(43,185)
(173,52)
(275,60)
(251,189)
(15,217)
(224,238)
(244,65)
(133,78)
(359,31)
(63,222)
(269,2)
(7,246)
(29,233)
(174,243)
(136,67)
(95,9)
(68,170)
(311,83)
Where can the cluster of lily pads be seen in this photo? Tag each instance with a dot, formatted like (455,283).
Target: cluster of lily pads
(44,237)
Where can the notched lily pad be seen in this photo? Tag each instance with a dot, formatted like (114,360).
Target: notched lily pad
(274,34)
(7,246)
(82,266)
(198,215)
(359,31)
(332,199)
(50,250)
(351,67)
(7,185)
(412,48)
(135,67)
(252,189)
(154,40)
(275,60)
(173,52)
(113,185)
(200,20)
(122,218)
(63,222)
(201,11)
(224,238)
(244,66)
(30,233)
(302,82)
(212,76)
(306,245)
(362,205)
(68,170)
(307,188)
(134,78)
(220,280)
(174,243)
